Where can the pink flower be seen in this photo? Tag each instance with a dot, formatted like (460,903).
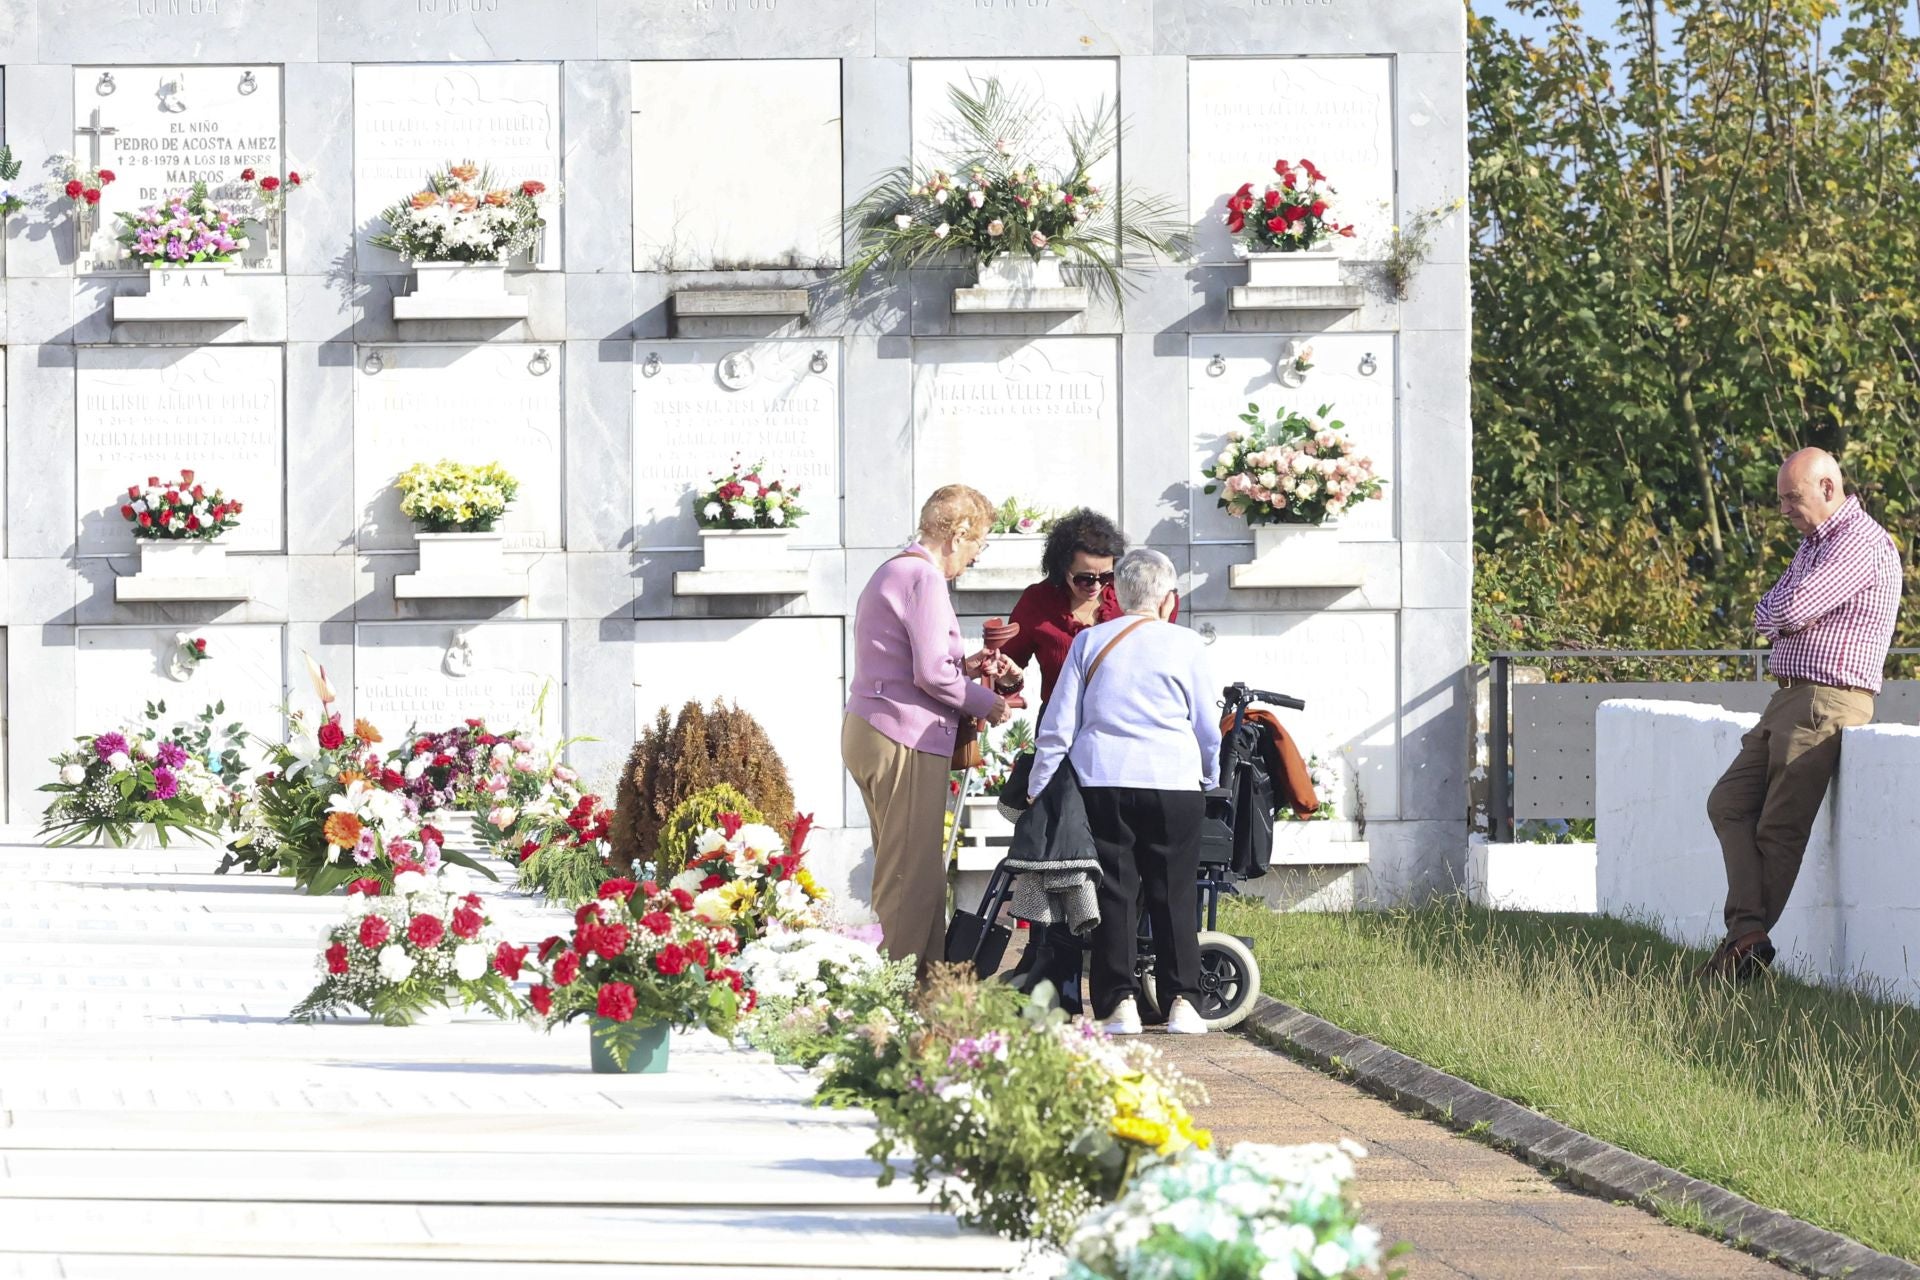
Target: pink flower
(1038,239)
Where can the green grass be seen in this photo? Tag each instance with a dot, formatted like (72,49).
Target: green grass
(1800,1098)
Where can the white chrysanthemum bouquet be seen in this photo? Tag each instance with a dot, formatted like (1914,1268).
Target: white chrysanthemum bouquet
(464,215)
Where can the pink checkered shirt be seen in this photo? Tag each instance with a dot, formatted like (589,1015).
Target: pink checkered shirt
(1830,616)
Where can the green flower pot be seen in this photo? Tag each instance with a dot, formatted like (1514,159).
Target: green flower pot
(648,1056)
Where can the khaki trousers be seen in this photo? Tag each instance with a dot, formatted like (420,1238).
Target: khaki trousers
(1763,807)
(906,795)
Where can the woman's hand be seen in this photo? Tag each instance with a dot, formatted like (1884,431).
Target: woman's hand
(1001,713)
(987,662)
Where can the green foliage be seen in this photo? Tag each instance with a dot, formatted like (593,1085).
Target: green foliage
(1696,247)
(219,746)
(564,872)
(679,757)
(10,203)
(698,812)
(852,1016)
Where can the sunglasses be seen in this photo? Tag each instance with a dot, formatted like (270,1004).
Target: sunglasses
(1088,581)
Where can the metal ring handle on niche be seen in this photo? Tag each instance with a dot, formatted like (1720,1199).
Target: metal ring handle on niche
(1216,366)
(1368,365)
(105,85)
(373,363)
(819,362)
(541,364)
(248,84)
(651,365)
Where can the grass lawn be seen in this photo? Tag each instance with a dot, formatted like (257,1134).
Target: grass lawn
(1799,1098)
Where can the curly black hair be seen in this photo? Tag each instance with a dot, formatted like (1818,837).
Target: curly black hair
(1080,530)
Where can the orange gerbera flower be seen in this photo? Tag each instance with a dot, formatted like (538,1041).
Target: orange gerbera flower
(496,198)
(350,776)
(342,829)
(461,201)
(465,172)
(425,199)
(366,732)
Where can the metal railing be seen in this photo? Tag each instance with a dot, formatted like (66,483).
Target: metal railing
(1500,806)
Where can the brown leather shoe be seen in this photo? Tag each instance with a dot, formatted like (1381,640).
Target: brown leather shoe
(1735,959)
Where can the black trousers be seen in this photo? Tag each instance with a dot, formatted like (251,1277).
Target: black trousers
(1149,843)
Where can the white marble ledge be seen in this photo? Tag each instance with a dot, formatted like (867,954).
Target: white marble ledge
(719,303)
(461,586)
(1316,843)
(1050,301)
(146,588)
(506,306)
(740,582)
(1340,297)
(1011,580)
(214,305)
(1339,572)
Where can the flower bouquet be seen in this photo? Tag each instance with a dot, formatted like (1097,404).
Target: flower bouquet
(456,497)
(184,229)
(996,202)
(111,784)
(817,990)
(1290,216)
(330,811)
(1013,517)
(755,497)
(83,186)
(464,215)
(564,859)
(740,877)
(1258,1211)
(270,193)
(403,952)
(1293,470)
(641,960)
(182,509)
(439,768)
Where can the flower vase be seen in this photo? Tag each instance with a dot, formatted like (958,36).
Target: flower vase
(649,1056)
(1021,271)
(459,279)
(734,550)
(1016,282)
(143,835)
(1012,551)
(456,554)
(1300,269)
(1295,539)
(191,291)
(182,558)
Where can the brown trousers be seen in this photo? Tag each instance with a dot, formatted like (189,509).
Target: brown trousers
(906,796)
(1763,807)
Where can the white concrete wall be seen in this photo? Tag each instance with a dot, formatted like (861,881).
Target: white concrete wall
(1855,910)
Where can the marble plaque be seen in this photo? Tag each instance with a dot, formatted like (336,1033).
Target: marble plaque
(1245,113)
(1366,403)
(1345,665)
(906,28)
(786,671)
(152,411)
(190,31)
(1037,419)
(1060,90)
(118,670)
(410,121)
(162,129)
(469,404)
(753,118)
(432,675)
(453,30)
(688,422)
(696,29)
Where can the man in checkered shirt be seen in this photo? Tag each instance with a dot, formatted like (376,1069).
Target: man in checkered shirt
(1830,618)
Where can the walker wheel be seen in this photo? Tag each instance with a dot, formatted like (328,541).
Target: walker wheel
(1229,980)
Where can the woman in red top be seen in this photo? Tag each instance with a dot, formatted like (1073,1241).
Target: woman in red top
(1077,593)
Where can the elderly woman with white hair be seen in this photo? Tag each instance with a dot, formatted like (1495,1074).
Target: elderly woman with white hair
(1144,742)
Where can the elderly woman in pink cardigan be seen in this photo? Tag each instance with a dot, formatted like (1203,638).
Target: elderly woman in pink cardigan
(912,681)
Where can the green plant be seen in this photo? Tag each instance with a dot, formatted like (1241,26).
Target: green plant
(825,994)
(698,812)
(564,871)
(681,756)
(995,201)
(10,203)
(1014,516)
(1409,243)
(217,746)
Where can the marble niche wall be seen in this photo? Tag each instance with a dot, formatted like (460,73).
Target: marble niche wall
(704,152)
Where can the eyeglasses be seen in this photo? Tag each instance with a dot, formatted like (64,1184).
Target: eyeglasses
(1088,581)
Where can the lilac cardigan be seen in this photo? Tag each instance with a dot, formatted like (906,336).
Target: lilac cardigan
(908,664)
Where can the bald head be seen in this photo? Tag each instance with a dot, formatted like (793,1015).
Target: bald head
(1811,488)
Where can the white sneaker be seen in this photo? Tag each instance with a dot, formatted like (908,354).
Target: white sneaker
(1185,1020)
(1125,1020)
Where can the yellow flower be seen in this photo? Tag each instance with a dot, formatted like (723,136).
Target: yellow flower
(1148,1133)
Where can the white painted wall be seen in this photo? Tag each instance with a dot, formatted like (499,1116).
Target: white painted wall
(1855,910)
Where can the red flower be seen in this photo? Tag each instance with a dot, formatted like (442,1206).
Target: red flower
(198,492)
(541,999)
(532,188)
(293,179)
(146,521)
(126,512)
(466,922)
(730,824)
(475,724)
(368,885)
(610,940)
(93,195)
(566,969)
(616,1001)
(658,922)
(193,522)
(269,184)
(392,779)
(1318,208)
(442,760)
(586,911)
(106,176)
(619,888)
(1236,224)
(698,950)
(682,899)
(1312,170)
(1272,199)
(423,746)
(331,736)
(507,960)
(246,175)
(725,946)
(671,960)
(648,888)
(426,931)
(200,644)
(797,832)
(472,900)
(74,188)
(1346,231)
(153,482)
(337,958)
(407,864)
(373,932)
(713,882)
(528,849)
(431,832)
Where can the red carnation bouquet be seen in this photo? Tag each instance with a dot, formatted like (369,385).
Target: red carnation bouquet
(639,957)
(399,954)
(179,509)
(1290,216)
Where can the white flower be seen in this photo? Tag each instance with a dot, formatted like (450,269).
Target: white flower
(996,227)
(710,841)
(418,766)
(688,880)
(73,775)
(385,809)
(711,511)
(502,817)
(469,961)
(743,511)
(759,836)
(903,221)
(394,963)
(408,883)
(119,760)
(940,232)
(940,196)
(1329,1259)
(776,517)
(976,197)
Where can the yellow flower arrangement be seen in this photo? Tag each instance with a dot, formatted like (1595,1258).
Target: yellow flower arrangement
(1145,1112)
(456,497)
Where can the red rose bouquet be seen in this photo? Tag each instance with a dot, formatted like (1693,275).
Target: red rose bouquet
(1290,216)
(179,509)
(399,954)
(639,957)
(83,186)
(752,497)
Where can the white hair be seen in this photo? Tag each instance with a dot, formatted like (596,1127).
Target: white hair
(1142,580)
